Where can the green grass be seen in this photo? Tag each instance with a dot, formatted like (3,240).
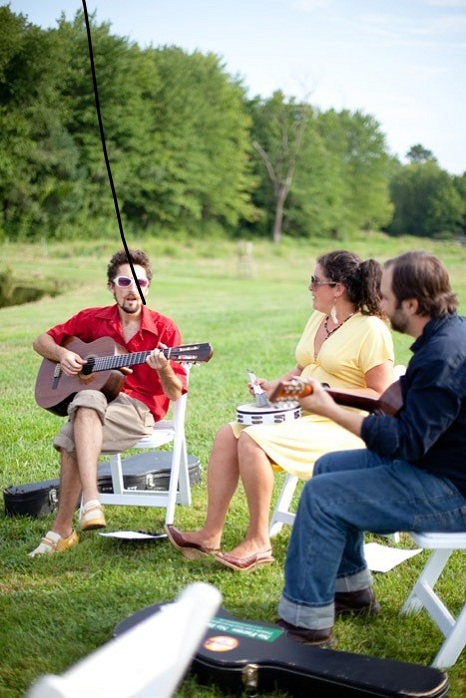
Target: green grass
(56,610)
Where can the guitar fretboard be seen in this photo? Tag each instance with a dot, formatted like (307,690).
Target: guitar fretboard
(184,353)
(107,363)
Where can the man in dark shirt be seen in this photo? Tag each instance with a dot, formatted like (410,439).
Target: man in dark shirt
(412,477)
(96,425)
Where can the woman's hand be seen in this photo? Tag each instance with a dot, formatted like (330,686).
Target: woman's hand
(261,382)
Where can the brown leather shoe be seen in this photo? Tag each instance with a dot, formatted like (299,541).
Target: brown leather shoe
(356,602)
(190,550)
(308,636)
(246,564)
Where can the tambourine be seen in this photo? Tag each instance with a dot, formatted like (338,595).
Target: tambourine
(253,414)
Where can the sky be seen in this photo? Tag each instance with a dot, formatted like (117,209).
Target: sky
(401,61)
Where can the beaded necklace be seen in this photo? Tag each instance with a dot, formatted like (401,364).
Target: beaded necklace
(329,332)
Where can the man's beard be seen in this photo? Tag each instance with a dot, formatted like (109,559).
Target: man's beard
(399,321)
(129,309)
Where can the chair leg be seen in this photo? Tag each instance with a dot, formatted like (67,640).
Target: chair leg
(281,514)
(179,489)
(116,472)
(424,596)
(184,484)
(423,588)
(453,645)
(394,537)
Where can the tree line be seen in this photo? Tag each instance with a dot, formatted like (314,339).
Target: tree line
(189,150)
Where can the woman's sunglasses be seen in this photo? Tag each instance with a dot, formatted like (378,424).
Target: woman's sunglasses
(126,281)
(315,282)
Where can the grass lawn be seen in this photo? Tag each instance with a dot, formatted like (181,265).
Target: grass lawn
(57,609)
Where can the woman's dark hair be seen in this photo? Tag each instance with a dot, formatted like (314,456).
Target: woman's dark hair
(422,276)
(361,279)
(136,256)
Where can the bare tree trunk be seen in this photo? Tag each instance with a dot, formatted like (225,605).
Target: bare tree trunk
(281,174)
(279,208)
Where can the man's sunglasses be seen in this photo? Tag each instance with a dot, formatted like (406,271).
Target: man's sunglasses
(126,281)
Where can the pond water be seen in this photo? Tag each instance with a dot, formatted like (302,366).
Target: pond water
(21,294)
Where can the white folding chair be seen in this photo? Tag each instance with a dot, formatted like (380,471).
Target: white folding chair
(423,595)
(179,489)
(147,660)
(282,514)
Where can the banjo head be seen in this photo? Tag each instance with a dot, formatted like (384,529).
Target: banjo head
(253,414)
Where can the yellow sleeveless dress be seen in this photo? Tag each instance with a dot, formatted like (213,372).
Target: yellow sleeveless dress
(358,345)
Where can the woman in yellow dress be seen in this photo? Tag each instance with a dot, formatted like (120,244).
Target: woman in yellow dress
(346,344)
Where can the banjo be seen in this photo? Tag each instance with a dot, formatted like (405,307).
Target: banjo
(263,411)
(283,406)
(274,414)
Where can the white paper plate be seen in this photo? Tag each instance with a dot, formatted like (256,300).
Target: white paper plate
(134,535)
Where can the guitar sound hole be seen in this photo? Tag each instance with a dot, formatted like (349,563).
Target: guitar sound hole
(89,367)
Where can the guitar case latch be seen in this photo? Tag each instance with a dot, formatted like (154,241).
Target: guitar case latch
(53,498)
(249,677)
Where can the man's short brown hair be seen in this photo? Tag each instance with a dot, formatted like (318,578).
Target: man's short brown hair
(423,276)
(138,257)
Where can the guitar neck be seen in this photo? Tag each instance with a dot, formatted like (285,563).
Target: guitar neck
(362,402)
(107,363)
(115,361)
(389,403)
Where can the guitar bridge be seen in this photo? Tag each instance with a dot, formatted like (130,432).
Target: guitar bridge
(56,376)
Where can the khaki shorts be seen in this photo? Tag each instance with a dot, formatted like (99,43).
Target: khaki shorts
(125,421)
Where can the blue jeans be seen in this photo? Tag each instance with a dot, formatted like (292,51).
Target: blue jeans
(349,493)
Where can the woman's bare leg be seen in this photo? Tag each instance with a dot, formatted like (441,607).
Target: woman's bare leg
(258,480)
(222,481)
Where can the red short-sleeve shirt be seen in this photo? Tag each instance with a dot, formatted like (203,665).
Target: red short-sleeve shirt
(144,383)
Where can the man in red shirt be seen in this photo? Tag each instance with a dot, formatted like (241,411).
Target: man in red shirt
(95,425)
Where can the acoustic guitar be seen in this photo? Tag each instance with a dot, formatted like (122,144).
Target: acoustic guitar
(55,390)
(389,403)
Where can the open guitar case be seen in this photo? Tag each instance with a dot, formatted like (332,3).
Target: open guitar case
(255,657)
(143,471)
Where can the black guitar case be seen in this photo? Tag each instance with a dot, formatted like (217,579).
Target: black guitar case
(147,471)
(143,471)
(258,657)
(35,499)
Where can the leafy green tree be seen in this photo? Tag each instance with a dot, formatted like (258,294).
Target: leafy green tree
(426,201)
(332,169)
(37,159)
(460,186)
(122,78)
(278,132)
(363,165)
(417,154)
(201,142)
(315,204)
(174,127)
(187,150)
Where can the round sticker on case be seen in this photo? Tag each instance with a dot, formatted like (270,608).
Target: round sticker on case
(221,643)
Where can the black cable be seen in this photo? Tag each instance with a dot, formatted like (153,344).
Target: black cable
(104,147)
